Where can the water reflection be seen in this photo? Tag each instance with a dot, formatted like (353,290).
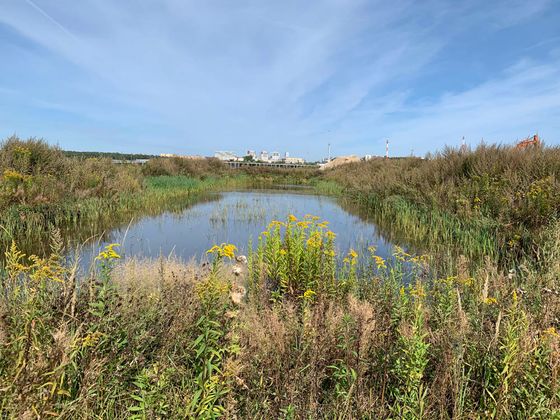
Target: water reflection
(238,217)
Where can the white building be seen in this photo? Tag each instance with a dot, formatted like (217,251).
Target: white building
(263,156)
(275,157)
(293,160)
(252,153)
(225,156)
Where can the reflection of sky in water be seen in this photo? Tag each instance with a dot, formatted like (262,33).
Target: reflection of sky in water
(235,218)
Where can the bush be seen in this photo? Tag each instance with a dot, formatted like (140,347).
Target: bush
(32,172)
(519,190)
(187,167)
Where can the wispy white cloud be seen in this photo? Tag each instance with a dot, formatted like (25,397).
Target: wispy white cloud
(214,75)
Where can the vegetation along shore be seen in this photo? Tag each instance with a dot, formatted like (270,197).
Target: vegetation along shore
(463,323)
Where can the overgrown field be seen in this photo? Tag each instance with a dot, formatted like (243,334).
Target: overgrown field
(494,200)
(292,336)
(42,189)
(468,330)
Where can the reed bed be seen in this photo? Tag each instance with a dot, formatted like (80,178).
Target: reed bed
(491,201)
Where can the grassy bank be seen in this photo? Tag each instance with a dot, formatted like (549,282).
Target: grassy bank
(83,218)
(42,188)
(293,336)
(494,200)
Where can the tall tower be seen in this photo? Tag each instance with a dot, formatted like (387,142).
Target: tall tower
(387,149)
(329,155)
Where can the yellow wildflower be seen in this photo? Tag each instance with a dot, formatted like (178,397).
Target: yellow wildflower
(491,301)
(213,250)
(329,253)
(292,218)
(91,339)
(309,294)
(314,240)
(109,253)
(229,250)
(275,223)
(379,262)
(223,250)
(551,331)
(418,291)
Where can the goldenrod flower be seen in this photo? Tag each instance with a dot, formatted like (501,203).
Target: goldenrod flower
(275,223)
(223,250)
(292,218)
(309,294)
(379,262)
(213,250)
(315,240)
(490,301)
(109,253)
(551,331)
(329,253)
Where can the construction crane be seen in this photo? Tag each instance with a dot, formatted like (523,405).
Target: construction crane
(528,142)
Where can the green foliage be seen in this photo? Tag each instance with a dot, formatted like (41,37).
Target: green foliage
(296,259)
(173,166)
(493,200)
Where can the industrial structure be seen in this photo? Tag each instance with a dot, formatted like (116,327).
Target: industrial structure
(226,156)
(532,141)
(262,157)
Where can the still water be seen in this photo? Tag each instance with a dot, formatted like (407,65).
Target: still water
(237,217)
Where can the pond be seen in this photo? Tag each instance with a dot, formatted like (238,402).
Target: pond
(237,217)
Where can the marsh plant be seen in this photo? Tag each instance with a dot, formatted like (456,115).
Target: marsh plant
(312,338)
(493,200)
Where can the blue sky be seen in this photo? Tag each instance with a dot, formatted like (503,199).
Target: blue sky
(192,77)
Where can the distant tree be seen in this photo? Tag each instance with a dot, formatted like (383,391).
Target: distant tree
(110,155)
(248,158)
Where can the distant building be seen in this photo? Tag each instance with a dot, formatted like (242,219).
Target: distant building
(263,156)
(225,156)
(370,157)
(252,153)
(294,160)
(275,157)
